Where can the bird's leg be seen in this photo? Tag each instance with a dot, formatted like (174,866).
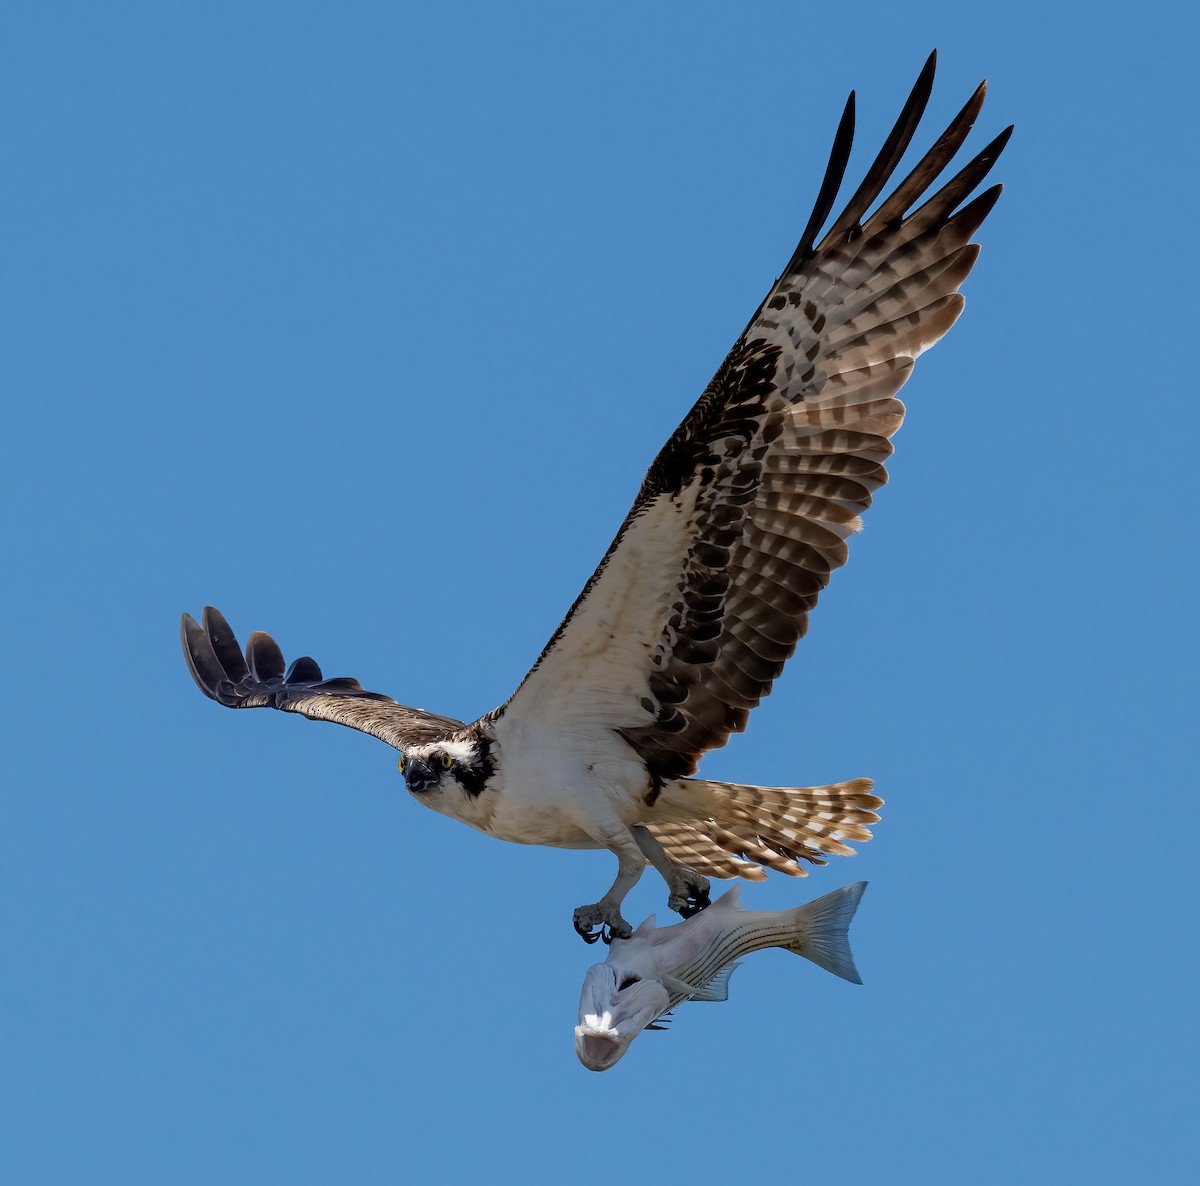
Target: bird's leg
(688,890)
(606,914)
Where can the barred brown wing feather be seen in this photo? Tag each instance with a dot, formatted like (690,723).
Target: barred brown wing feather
(747,509)
(261,680)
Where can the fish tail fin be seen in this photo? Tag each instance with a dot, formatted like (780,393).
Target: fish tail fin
(822,931)
(732,829)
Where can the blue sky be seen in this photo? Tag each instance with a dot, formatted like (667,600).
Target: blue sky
(240,240)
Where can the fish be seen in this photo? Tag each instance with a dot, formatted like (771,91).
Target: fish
(658,968)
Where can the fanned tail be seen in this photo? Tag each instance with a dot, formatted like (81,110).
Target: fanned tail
(729,829)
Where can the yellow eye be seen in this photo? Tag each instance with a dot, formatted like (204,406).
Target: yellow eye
(400,765)
(446,760)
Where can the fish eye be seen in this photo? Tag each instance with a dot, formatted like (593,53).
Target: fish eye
(446,760)
(400,765)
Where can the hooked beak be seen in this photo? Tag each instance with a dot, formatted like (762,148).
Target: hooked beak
(610,1019)
(419,776)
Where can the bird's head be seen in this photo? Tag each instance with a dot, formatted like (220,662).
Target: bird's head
(457,764)
(614,1007)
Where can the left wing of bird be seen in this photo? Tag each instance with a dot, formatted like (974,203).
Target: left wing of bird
(261,680)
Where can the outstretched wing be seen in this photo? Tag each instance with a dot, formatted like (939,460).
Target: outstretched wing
(260,681)
(746,511)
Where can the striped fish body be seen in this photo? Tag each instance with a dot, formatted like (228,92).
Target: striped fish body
(657,969)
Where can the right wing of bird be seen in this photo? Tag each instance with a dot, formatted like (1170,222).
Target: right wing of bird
(748,508)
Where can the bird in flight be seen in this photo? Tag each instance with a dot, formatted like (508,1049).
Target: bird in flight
(702,596)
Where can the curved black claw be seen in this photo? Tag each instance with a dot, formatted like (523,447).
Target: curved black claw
(695,903)
(600,922)
(587,934)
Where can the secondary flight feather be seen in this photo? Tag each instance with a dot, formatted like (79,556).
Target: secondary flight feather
(706,589)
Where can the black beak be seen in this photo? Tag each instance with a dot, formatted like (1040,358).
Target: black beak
(419,776)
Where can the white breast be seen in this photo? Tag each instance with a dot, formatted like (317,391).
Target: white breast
(564,789)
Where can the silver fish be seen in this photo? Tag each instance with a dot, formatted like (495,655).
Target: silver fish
(656,968)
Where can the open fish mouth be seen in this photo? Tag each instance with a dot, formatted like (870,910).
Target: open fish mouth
(599,1049)
(613,1010)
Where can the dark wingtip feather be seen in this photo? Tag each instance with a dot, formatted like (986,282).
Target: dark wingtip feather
(966,179)
(971,216)
(996,147)
(932,163)
(201,659)
(888,157)
(263,657)
(304,670)
(835,171)
(224,643)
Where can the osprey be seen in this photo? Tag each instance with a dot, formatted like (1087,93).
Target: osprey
(706,589)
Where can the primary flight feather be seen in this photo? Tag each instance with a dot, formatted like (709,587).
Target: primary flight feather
(706,589)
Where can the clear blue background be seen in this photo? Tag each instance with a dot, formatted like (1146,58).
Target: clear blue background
(362,322)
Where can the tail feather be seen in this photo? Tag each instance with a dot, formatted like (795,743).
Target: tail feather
(823,931)
(726,829)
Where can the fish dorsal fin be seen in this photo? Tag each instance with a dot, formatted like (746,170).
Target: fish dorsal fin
(730,899)
(646,929)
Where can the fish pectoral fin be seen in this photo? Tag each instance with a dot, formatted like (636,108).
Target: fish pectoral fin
(716,988)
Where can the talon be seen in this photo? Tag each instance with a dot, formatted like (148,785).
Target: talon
(608,921)
(701,899)
(583,927)
(690,895)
